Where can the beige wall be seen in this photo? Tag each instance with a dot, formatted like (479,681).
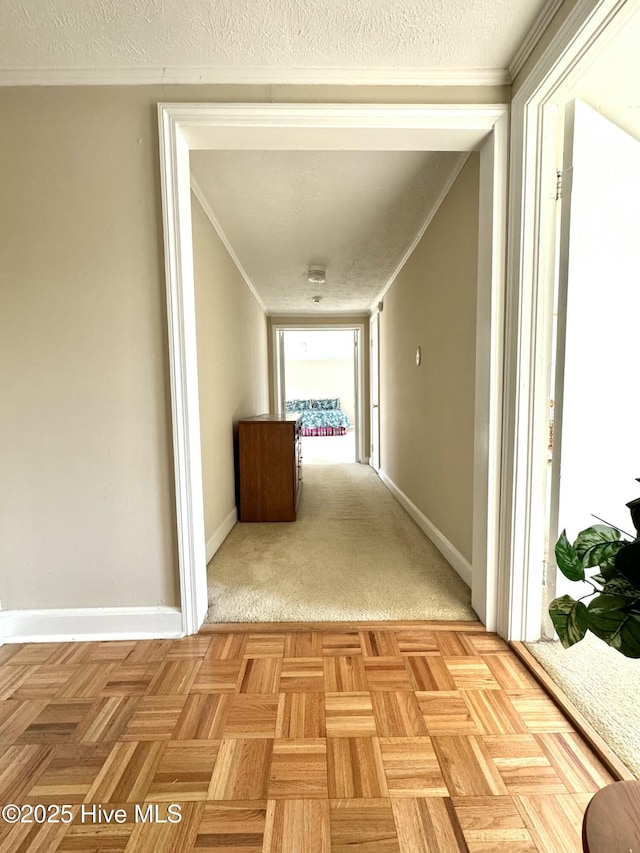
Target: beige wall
(87,513)
(232,363)
(327,377)
(427,412)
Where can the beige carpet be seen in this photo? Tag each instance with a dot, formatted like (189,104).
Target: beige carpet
(604,685)
(353,554)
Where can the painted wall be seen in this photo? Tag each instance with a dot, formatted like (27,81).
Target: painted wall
(232,363)
(327,377)
(427,412)
(87,514)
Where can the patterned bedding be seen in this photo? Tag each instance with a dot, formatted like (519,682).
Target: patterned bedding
(320,417)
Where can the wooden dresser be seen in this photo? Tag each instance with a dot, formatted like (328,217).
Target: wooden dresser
(270,467)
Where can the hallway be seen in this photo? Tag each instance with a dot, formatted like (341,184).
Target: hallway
(353,554)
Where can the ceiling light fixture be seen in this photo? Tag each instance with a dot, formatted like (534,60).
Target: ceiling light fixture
(316,275)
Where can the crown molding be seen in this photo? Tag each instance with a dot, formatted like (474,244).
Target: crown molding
(199,194)
(533,36)
(256,76)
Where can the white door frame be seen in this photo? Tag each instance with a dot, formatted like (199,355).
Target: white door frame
(457,127)
(535,156)
(374,382)
(277,365)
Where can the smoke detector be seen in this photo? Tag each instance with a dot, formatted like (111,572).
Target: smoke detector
(316,275)
(316,299)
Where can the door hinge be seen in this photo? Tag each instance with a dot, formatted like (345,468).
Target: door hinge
(558,184)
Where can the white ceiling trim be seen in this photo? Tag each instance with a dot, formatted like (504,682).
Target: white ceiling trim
(256,76)
(429,218)
(533,37)
(197,191)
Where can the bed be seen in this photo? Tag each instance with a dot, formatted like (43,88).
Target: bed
(321,416)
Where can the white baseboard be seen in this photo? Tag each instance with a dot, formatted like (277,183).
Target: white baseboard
(90,623)
(449,552)
(221,533)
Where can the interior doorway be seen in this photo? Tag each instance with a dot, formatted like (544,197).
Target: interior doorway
(573,204)
(434,127)
(320,383)
(318,368)
(596,458)
(594,59)
(374,375)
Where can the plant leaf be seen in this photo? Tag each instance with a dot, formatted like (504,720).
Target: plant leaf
(606,614)
(568,561)
(616,620)
(570,619)
(603,554)
(599,579)
(599,534)
(609,571)
(621,586)
(628,562)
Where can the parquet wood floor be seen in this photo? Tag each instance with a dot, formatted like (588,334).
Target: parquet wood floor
(429,737)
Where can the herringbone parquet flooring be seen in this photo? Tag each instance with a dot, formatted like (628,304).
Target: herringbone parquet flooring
(411,738)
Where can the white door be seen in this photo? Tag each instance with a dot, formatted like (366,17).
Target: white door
(374,369)
(357,395)
(280,384)
(596,455)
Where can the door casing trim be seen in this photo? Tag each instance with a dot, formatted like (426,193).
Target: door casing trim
(441,127)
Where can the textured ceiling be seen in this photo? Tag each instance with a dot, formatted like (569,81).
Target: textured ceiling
(355,213)
(200,34)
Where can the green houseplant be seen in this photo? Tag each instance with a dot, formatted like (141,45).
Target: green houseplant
(610,564)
